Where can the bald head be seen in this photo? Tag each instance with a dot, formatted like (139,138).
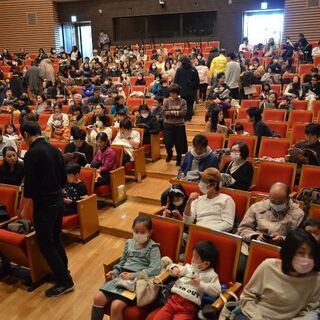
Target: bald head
(279,193)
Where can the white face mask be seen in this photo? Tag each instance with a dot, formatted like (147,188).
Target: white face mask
(235,156)
(278,207)
(178,203)
(140,238)
(99,124)
(144,115)
(203,187)
(57,123)
(302,265)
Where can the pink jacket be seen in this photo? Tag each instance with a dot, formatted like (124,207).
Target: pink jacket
(105,160)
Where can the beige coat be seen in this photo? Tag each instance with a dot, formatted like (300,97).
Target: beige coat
(260,219)
(46,70)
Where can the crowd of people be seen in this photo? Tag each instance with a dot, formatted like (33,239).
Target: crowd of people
(86,104)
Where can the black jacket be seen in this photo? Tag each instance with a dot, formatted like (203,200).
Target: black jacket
(16,86)
(150,125)
(14,177)
(45,173)
(87,149)
(243,175)
(261,130)
(188,79)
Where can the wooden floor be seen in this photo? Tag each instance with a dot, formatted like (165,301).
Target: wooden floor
(86,260)
(85,263)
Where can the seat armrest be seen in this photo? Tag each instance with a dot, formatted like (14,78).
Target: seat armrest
(162,277)
(139,162)
(5,223)
(109,266)
(235,288)
(117,178)
(293,194)
(158,211)
(30,235)
(252,187)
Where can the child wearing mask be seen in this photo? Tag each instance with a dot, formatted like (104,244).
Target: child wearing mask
(176,202)
(75,189)
(194,280)
(141,256)
(147,122)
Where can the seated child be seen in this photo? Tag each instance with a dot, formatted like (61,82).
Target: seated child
(176,202)
(141,255)
(104,160)
(75,189)
(194,280)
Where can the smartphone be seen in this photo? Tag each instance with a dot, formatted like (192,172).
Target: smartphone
(267,237)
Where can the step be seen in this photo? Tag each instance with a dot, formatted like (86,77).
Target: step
(112,220)
(162,170)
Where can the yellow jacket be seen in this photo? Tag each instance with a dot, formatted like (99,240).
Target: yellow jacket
(218,64)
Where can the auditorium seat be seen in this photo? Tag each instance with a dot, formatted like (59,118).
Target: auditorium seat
(86,217)
(23,250)
(61,145)
(137,88)
(273,147)
(117,180)
(278,127)
(316,108)
(228,247)
(242,114)
(215,140)
(303,116)
(251,142)
(305,68)
(9,198)
(5,119)
(297,134)
(259,251)
(314,212)
(250,103)
(274,115)
(299,104)
(270,172)
(169,246)
(134,103)
(247,125)
(310,177)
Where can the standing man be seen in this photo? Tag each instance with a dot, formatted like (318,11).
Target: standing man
(45,177)
(104,41)
(187,78)
(33,78)
(232,73)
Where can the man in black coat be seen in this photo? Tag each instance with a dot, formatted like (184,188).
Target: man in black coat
(45,178)
(16,86)
(187,78)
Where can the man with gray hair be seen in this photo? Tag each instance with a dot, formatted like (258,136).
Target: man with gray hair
(269,220)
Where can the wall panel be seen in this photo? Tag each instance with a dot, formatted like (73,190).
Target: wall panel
(301,19)
(229,17)
(15,32)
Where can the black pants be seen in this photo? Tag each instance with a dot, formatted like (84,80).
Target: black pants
(48,214)
(189,101)
(234,93)
(203,91)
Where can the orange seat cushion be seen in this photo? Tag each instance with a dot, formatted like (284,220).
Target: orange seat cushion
(153,314)
(103,191)
(13,238)
(129,165)
(71,221)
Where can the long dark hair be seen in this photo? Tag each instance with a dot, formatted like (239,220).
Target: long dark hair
(215,118)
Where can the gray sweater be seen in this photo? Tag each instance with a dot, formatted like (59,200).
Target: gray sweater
(232,72)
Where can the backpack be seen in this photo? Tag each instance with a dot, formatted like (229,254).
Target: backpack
(309,196)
